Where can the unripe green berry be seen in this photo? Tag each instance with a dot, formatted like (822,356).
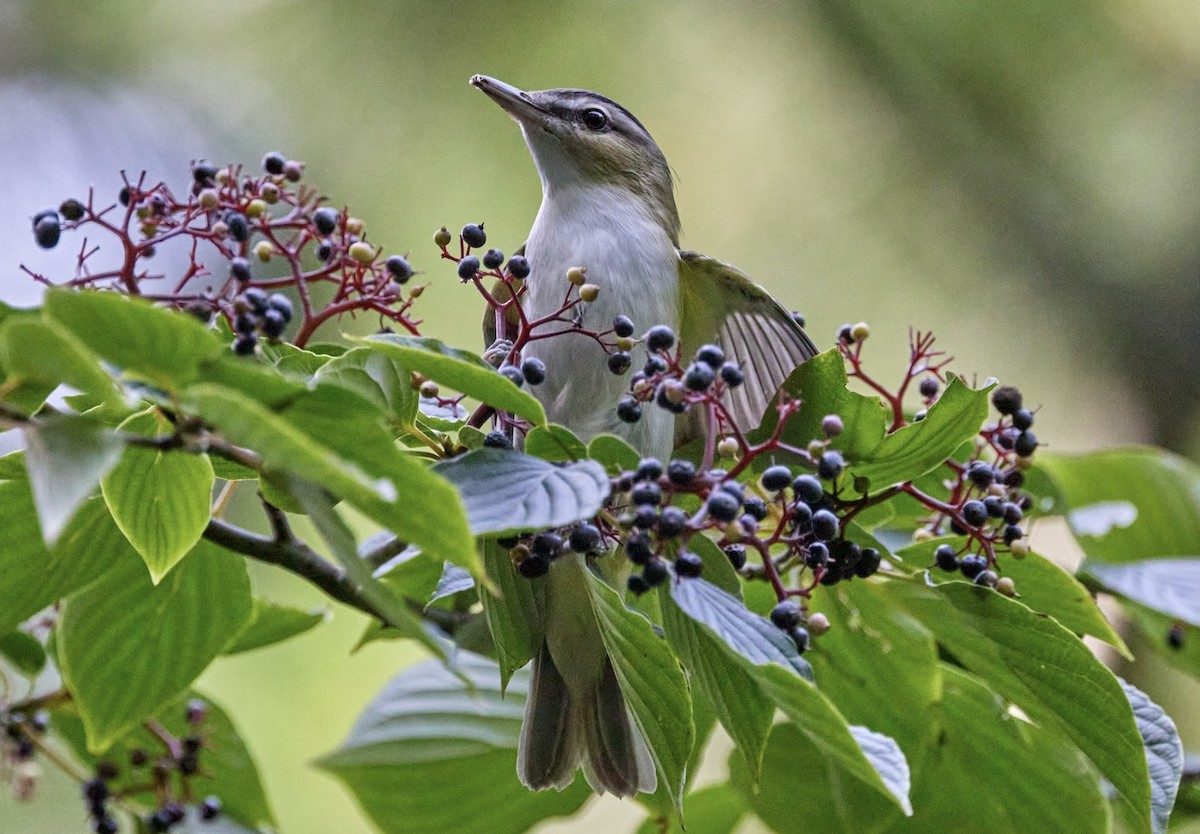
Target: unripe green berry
(263,250)
(441,237)
(589,293)
(577,275)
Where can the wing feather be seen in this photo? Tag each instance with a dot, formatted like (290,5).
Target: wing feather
(722,304)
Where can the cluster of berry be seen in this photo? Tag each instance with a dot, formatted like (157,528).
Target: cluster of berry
(663,379)
(18,749)
(246,219)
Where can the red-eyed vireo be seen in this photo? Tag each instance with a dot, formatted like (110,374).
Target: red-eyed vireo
(608,205)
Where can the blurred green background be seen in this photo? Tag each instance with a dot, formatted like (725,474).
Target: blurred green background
(1023,178)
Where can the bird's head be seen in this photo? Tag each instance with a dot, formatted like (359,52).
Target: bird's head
(580,139)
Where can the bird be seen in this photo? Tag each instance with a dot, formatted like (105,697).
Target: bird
(608,206)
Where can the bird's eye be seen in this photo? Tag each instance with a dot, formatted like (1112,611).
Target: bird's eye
(594,119)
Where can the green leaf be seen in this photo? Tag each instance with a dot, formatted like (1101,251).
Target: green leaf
(272,623)
(614,453)
(1041,585)
(511,610)
(875,648)
(164,346)
(554,442)
(1171,586)
(1042,668)
(426,736)
(715,809)
(1130,504)
(12,466)
(458,369)
(505,491)
(1177,643)
(36,350)
(650,678)
(873,453)
(383,600)
(377,378)
(1164,754)
(329,439)
(66,457)
(252,376)
(127,646)
(159,499)
(24,652)
(743,710)
(229,771)
(32,577)
(454,580)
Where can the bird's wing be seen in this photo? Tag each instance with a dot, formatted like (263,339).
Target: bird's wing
(722,304)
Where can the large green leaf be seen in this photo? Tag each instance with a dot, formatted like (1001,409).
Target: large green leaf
(127,647)
(159,499)
(37,350)
(426,736)
(375,377)
(554,442)
(616,454)
(1041,585)
(506,491)
(881,457)
(163,346)
(878,665)
(228,770)
(1042,668)
(66,457)
(24,652)
(741,639)
(458,369)
(32,577)
(743,710)
(651,681)
(511,610)
(331,437)
(1130,504)
(715,809)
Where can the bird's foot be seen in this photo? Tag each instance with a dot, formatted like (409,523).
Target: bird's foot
(498,352)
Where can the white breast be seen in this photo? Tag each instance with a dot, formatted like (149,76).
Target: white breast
(634,263)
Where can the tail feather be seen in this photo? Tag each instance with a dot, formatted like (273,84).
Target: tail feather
(593,729)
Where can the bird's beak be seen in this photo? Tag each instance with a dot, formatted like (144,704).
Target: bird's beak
(516,103)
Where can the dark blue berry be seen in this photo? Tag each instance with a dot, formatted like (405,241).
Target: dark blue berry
(671,522)
(473,235)
(239,270)
(47,232)
(655,571)
(638,548)
(623,327)
(273,162)
(629,410)
(534,370)
(660,337)
(971,565)
(646,492)
(1025,443)
(994,505)
(732,374)
(619,362)
(689,564)
(649,469)
(398,267)
(492,258)
(239,227)
(1012,513)
(698,377)
(868,562)
(1012,532)
(546,544)
(204,172)
(654,365)
(830,465)
(468,267)
(244,344)
(945,558)
(637,584)
(800,637)
(681,472)
(786,615)
(1022,418)
(817,555)
(518,267)
(986,578)
(1007,399)
(123,196)
(497,440)
(513,374)
(325,250)
(756,508)
(282,304)
(245,323)
(824,525)
(928,387)
(775,478)
(256,298)
(974,513)
(662,398)
(210,808)
(71,209)
(808,489)
(722,506)
(533,566)
(273,323)
(711,355)
(801,516)
(980,474)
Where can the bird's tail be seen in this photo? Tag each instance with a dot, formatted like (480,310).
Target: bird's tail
(593,729)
